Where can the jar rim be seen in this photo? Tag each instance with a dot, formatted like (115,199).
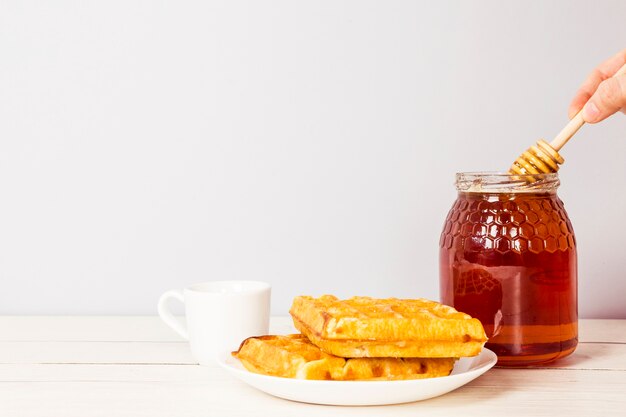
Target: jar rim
(504,182)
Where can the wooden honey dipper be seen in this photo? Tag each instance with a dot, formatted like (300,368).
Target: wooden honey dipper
(544,157)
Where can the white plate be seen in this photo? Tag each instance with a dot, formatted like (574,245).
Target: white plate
(363,392)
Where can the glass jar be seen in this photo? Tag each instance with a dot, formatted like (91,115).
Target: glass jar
(508,257)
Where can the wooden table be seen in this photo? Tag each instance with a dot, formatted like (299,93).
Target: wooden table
(135,366)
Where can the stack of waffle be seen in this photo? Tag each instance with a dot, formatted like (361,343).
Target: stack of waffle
(363,338)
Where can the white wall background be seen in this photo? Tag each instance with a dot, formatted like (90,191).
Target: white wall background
(147,145)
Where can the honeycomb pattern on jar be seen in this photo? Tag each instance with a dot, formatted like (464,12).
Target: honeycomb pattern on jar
(476,281)
(529,224)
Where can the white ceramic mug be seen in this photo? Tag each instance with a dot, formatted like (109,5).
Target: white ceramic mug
(220,315)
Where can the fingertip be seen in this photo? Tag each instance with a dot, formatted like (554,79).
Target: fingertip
(577,104)
(572,112)
(591,113)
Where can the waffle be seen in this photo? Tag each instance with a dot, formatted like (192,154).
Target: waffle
(294,356)
(367,327)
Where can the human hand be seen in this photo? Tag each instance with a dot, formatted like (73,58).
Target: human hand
(603,94)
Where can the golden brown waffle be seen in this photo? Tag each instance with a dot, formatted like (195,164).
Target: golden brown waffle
(368,327)
(294,356)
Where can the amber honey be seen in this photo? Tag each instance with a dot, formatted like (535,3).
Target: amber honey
(508,258)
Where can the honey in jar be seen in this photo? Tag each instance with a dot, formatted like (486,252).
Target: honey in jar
(508,258)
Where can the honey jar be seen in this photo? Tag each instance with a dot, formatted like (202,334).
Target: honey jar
(508,257)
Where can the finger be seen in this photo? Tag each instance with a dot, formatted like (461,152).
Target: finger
(609,98)
(605,70)
(577,103)
(584,93)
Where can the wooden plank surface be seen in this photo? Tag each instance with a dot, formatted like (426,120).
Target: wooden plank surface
(194,391)
(611,331)
(100,328)
(85,328)
(135,366)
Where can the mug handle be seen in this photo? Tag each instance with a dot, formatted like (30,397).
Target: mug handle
(167,316)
